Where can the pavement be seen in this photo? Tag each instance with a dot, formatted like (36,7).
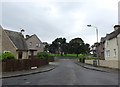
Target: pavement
(41,69)
(97,68)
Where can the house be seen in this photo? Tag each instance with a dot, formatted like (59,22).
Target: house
(94,49)
(100,48)
(13,42)
(34,44)
(108,49)
(112,45)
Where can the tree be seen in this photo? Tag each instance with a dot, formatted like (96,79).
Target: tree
(46,48)
(59,45)
(87,48)
(76,46)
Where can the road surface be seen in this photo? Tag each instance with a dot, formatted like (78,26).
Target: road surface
(67,73)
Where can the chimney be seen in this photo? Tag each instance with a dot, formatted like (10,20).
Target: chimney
(116,27)
(27,36)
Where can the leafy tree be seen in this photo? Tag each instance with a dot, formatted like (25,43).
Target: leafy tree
(76,46)
(46,48)
(59,45)
(87,48)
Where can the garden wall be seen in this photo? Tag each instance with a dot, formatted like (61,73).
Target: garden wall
(106,63)
(23,64)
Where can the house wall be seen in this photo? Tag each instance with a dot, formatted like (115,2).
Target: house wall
(100,51)
(0,39)
(7,44)
(105,63)
(34,43)
(110,45)
(24,55)
(118,38)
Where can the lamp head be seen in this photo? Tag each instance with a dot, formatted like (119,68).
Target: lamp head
(89,25)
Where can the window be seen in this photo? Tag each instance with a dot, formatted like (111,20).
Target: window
(30,44)
(38,45)
(108,53)
(114,52)
(107,43)
(6,51)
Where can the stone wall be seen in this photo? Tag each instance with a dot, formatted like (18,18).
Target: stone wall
(106,63)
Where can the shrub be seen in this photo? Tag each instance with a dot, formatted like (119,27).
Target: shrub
(42,55)
(82,58)
(7,56)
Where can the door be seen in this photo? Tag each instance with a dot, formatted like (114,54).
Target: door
(20,54)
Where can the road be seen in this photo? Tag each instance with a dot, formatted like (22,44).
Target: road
(67,73)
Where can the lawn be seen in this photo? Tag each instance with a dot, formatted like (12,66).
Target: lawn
(67,55)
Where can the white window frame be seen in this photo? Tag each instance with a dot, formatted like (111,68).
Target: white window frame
(6,51)
(37,45)
(108,53)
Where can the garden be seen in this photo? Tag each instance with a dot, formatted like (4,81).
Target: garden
(10,63)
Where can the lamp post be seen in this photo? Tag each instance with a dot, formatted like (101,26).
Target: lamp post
(97,39)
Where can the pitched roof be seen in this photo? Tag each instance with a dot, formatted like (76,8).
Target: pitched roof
(103,39)
(32,36)
(113,34)
(18,39)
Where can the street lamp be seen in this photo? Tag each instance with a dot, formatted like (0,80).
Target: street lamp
(97,39)
(96,31)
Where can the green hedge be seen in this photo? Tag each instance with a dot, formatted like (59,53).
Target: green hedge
(42,55)
(82,58)
(6,56)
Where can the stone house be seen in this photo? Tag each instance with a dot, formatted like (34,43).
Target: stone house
(13,42)
(112,48)
(35,45)
(112,45)
(100,48)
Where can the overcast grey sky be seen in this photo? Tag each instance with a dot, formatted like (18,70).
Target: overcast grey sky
(50,19)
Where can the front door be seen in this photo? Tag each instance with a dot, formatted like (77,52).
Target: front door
(20,54)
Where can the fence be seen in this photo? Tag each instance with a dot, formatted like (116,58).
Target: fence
(24,64)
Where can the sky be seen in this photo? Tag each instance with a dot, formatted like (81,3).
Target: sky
(51,19)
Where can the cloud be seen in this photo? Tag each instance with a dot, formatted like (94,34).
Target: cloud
(50,19)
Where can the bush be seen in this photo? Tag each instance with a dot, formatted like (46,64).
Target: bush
(7,56)
(42,55)
(82,58)
(51,58)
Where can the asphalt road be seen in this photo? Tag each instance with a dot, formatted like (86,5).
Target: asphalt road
(67,73)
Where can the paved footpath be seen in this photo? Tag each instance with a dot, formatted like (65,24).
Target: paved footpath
(100,68)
